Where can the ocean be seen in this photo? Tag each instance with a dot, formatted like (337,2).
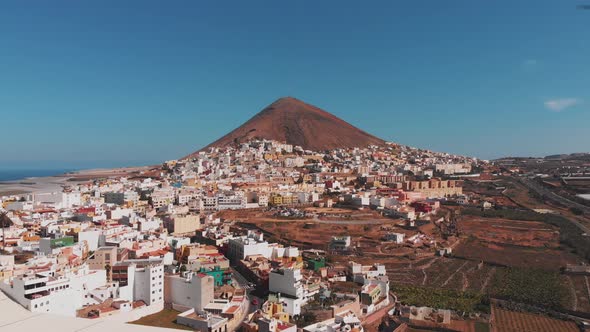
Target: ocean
(21,174)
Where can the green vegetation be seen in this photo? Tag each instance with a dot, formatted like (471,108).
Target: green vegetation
(165,318)
(482,327)
(570,235)
(530,286)
(304,319)
(442,298)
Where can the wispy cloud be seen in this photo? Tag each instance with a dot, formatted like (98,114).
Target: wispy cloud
(561,104)
(530,65)
(530,62)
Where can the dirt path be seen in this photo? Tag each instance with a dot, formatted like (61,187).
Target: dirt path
(488,279)
(453,274)
(427,265)
(350,222)
(573,293)
(424,267)
(465,282)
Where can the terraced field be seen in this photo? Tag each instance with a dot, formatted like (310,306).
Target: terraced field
(512,321)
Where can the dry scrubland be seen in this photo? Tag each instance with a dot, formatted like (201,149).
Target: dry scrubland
(488,253)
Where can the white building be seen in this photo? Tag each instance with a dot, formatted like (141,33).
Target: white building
(230,202)
(60,200)
(342,322)
(253,244)
(161,198)
(340,243)
(191,290)
(450,169)
(91,237)
(286,286)
(140,280)
(361,272)
(395,237)
(49,292)
(375,290)
(119,213)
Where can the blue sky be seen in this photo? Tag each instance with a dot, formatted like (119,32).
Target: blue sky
(115,83)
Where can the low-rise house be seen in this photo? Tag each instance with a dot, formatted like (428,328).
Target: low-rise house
(395,237)
(343,322)
(340,243)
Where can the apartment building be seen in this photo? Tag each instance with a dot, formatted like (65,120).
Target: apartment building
(253,244)
(189,290)
(140,280)
(232,201)
(51,292)
(287,286)
(182,223)
(103,257)
(435,187)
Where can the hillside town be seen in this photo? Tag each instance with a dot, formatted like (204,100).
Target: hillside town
(173,238)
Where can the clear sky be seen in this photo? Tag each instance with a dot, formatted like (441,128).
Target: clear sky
(137,82)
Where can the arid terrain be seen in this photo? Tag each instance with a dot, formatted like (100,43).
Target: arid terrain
(294,122)
(482,247)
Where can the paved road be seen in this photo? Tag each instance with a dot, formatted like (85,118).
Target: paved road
(379,314)
(244,283)
(531,184)
(559,199)
(241,282)
(350,222)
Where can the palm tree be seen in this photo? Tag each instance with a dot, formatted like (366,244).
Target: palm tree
(4,222)
(108,268)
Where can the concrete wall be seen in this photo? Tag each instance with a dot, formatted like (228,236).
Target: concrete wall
(91,237)
(195,292)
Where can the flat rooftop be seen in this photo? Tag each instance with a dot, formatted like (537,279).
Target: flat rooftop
(15,318)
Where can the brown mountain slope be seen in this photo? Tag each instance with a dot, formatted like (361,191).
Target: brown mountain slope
(292,121)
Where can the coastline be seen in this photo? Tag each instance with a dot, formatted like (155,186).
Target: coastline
(54,183)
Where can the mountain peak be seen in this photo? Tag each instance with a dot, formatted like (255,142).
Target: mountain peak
(288,102)
(296,122)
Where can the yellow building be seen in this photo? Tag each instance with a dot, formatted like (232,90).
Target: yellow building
(275,310)
(275,199)
(5,274)
(435,187)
